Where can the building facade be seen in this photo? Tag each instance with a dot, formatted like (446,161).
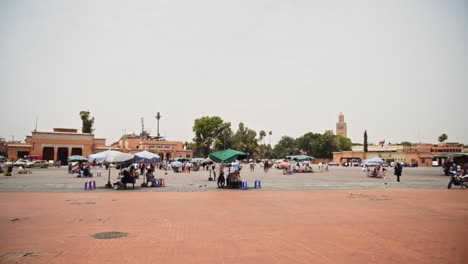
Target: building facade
(164,148)
(62,143)
(57,145)
(341,126)
(420,154)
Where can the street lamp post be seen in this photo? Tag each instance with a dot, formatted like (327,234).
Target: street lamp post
(166,164)
(167,158)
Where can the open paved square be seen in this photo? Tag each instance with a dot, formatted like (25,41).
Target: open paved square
(340,216)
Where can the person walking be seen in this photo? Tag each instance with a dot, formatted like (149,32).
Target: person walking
(398,169)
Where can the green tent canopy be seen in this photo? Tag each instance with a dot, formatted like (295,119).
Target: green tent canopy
(450,155)
(2,157)
(227,156)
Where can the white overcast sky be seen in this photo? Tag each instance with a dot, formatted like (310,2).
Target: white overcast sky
(397,68)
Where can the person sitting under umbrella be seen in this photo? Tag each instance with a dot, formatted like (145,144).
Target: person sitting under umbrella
(150,178)
(234,179)
(221,180)
(127,178)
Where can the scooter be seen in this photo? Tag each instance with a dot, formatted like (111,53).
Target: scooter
(458,180)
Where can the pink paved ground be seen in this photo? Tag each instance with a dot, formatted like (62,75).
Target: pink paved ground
(374,226)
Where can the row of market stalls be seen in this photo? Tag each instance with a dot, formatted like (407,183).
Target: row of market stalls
(222,156)
(458,158)
(117,157)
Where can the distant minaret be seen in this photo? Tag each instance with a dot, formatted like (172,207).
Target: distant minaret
(341,126)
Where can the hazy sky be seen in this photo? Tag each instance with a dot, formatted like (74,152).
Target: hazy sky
(396,68)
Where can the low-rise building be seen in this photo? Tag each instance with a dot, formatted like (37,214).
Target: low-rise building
(420,154)
(62,143)
(388,153)
(57,145)
(166,149)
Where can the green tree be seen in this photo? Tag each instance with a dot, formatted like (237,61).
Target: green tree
(325,145)
(263,149)
(286,146)
(268,152)
(245,140)
(307,143)
(269,133)
(262,135)
(365,141)
(225,140)
(345,143)
(87,122)
(443,137)
(322,145)
(406,143)
(207,131)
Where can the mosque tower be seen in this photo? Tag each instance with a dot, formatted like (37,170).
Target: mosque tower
(341,126)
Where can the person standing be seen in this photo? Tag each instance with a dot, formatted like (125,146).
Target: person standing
(398,169)
(142,168)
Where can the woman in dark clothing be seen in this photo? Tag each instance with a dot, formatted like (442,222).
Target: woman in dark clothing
(221,180)
(398,170)
(127,178)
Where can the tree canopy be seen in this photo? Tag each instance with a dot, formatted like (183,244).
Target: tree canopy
(87,122)
(245,140)
(365,141)
(207,132)
(213,134)
(406,143)
(443,137)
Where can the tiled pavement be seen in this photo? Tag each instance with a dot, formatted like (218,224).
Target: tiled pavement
(337,178)
(46,217)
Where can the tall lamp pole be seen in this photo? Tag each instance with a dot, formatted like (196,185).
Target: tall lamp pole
(167,159)
(166,164)
(158,116)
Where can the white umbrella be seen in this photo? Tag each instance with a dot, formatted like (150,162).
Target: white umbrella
(98,157)
(147,157)
(111,156)
(176,164)
(118,157)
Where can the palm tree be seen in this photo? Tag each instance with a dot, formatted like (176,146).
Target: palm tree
(270,137)
(262,135)
(443,137)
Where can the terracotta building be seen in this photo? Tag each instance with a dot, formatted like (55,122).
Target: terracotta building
(3,147)
(64,142)
(166,149)
(57,145)
(389,152)
(421,153)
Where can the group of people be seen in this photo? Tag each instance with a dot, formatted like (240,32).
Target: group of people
(377,171)
(233,179)
(458,169)
(451,167)
(298,168)
(128,176)
(322,167)
(83,170)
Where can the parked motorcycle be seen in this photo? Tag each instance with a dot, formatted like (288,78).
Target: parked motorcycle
(458,180)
